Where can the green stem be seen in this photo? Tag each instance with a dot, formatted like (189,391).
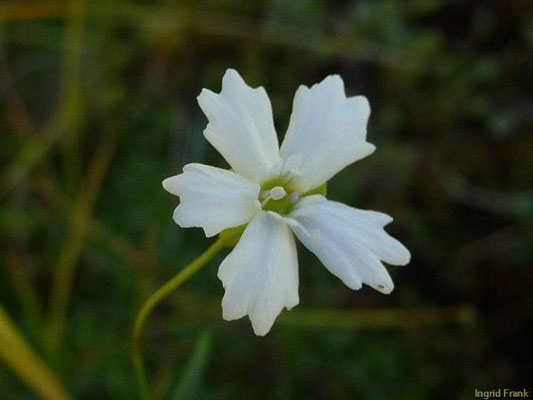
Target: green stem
(154,300)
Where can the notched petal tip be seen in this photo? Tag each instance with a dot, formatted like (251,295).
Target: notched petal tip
(385,289)
(166,184)
(229,313)
(334,76)
(404,257)
(301,91)
(205,92)
(261,325)
(232,77)
(260,331)
(259,280)
(365,149)
(328,129)
(334,79)
(384,283)
(240,126)
(351,282)
(362,105)
(353,244)
(370,148)
(171,184)
(209,233)
(176,216)
(204,97)
(232,72)
(179,217)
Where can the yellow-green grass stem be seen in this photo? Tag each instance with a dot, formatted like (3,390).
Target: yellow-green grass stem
(20,357)
(80,219)
(159,295)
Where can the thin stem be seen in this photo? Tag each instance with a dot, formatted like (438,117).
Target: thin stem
(154,300)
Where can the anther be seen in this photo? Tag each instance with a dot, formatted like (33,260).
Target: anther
(294,196)
(277,193)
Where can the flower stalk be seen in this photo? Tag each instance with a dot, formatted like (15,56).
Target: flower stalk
(158,296)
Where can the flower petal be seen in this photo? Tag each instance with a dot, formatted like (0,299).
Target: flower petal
(260,275)
(327,129)
(241,126)
(349,242)
(212,198)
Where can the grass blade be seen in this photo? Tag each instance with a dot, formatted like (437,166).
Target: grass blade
(188,385)
(18,355)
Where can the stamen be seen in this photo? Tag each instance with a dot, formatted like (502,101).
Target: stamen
(277,193)
(265,201)
(294,196)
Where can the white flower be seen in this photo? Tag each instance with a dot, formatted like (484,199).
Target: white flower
(273,191)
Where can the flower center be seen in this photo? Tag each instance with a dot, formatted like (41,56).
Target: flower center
(276,199)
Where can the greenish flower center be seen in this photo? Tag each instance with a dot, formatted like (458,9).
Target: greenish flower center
(276,195)
(277,199)
(279,196)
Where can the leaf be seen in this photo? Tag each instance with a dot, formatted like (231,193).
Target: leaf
(188,386)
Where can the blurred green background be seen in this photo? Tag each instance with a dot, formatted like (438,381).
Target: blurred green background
(98,106)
